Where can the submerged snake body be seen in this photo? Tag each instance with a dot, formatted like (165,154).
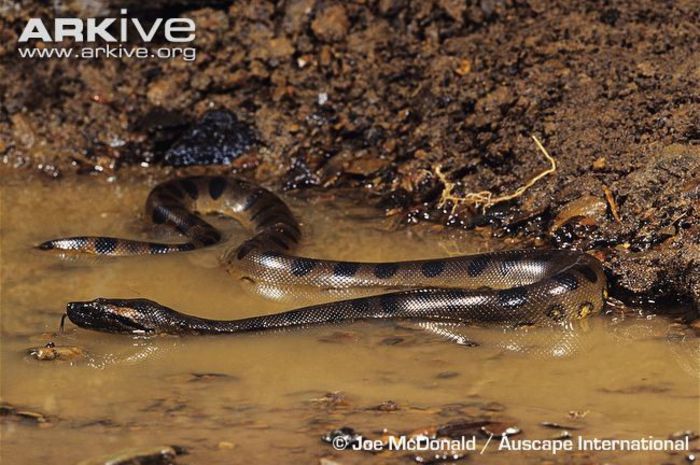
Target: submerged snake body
(550,288)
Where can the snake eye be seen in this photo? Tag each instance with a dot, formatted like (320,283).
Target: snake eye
(584,310)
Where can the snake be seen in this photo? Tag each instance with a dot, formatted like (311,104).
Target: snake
(540,287)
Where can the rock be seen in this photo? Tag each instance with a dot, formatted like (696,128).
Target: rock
(217,139)
(331,24)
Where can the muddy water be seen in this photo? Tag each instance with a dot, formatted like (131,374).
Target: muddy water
(267,398)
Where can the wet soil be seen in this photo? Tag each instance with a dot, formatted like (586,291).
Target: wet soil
(375,95)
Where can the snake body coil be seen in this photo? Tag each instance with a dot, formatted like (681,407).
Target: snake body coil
(543,287)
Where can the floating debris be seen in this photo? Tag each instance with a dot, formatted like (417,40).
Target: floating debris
(51,352)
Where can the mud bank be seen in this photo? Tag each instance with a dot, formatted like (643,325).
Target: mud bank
(376,95)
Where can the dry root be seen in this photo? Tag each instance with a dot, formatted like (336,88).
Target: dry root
(486,199)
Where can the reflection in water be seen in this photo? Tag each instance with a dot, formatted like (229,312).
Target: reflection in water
(256,392)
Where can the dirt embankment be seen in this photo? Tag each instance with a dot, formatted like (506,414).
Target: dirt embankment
(379,94)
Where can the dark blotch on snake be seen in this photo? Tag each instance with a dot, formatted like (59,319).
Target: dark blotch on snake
(302,266)
(158,215)
(270,254)
(156,249)
(279,242)
(361,305)
(587,272)
(567,280)
(254,217)
(432,268)
(284,230)
(506,266)
(271,219)
(190,187)
(216,187)
(556,312)
(385,270)
(389,303)
(174,192)
(209,238)
(105,245)
(245,249)
(585,308)
(346,270)
(512,298)
(477,266)
(252,199)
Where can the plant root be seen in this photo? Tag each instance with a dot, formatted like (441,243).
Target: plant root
(485,199)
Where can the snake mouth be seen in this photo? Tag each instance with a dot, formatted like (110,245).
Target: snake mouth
(102,315)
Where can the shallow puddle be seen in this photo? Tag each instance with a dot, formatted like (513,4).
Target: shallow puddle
(269,398)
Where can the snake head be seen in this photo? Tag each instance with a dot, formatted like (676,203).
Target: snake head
(130,316)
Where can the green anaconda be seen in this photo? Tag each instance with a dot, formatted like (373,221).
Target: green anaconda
(541,287)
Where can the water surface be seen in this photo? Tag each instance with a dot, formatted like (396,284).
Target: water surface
(269,398)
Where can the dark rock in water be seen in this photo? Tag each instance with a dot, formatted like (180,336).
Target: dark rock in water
(217,139)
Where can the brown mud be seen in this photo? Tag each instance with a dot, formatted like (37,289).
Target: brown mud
(376,95)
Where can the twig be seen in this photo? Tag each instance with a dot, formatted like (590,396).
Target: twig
(613,205)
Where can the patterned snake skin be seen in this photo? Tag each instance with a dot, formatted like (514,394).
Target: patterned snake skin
(521,287)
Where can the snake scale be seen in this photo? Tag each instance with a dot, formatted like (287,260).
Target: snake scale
(540,287)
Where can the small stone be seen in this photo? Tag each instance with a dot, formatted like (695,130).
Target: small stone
(331,24)
(465,67)
(226,445)
(599,163)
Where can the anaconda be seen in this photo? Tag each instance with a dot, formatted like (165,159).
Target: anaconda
(519,287)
